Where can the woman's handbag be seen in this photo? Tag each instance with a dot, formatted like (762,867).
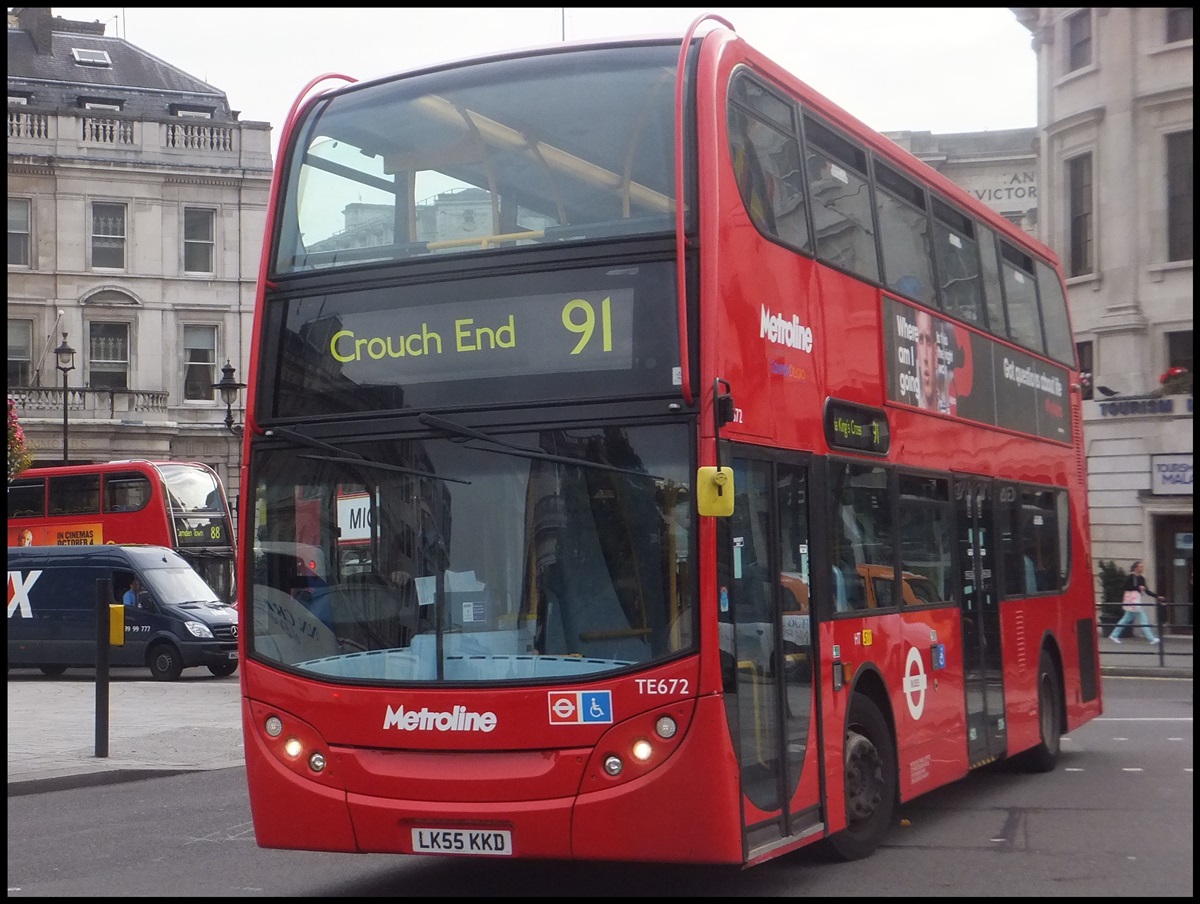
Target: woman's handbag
(1132,601)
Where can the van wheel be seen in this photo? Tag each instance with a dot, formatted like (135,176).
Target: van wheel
(871,783)
(224,669)
(53,671)
(165,663)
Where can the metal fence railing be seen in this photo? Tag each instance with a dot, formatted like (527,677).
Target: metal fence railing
(1170,622)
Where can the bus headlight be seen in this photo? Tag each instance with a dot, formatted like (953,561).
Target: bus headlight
(635,747)
(293,743)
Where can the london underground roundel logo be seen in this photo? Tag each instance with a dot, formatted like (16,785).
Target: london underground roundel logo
(915,683)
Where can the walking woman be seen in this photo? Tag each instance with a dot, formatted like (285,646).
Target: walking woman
(1135,586)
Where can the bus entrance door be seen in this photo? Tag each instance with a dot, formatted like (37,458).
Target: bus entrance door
(973,499)
(766,649)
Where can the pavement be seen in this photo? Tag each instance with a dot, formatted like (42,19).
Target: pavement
(57,732)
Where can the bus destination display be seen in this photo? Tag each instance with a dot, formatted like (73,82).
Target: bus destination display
(192,531)
(479,339)
(557,334)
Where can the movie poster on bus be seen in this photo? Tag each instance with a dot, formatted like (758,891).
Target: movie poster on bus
(932,364)
(940,366)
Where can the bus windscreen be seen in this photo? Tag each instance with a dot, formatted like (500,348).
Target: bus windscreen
(540,150)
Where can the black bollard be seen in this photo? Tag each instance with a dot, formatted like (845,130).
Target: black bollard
(104,595)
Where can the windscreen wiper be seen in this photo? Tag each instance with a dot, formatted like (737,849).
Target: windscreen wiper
(312,443)
(346,457)
(468,433)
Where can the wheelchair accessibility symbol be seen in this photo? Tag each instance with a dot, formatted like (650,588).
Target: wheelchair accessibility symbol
(580,707)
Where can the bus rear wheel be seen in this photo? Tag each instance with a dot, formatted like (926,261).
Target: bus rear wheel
(221,670)
(1044,757)
(165,662)
(871,782)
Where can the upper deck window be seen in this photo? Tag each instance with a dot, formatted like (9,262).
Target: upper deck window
(841,199)
(495,155)
(957,255)
(1020,297)
(904,235)
(765,152)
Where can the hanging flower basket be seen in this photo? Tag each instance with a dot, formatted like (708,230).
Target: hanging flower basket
(1175,381)
(20,455)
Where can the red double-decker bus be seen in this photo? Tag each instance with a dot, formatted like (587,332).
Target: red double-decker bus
(712,468)
(177,504)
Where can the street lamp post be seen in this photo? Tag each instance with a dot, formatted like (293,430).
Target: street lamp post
(66,363)
(229,388)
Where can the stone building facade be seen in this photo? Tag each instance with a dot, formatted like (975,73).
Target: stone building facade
(136,209)
(1115,165)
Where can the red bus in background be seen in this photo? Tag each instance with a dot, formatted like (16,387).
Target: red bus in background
(177,504)
(712,469)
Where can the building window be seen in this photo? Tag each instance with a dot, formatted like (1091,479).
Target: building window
(1179,196)
(88,57)
(198,243)
(1179,348)
(1079,40)
(1084,351)
(199,363)
(108,236)
(1179,24)
(20,352)
(108,354)
(18,232)
(1079,215)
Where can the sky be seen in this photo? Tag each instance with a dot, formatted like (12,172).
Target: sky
(938,70)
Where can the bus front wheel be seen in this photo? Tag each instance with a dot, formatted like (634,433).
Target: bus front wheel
(165,662)
(871,782)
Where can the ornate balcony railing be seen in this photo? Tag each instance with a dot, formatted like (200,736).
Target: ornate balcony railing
(42,401)
(28,125)
(41,132)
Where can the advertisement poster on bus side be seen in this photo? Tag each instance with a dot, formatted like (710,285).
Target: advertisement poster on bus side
(937,365)
(83,534)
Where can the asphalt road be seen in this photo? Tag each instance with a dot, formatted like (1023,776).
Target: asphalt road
(1115,819)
